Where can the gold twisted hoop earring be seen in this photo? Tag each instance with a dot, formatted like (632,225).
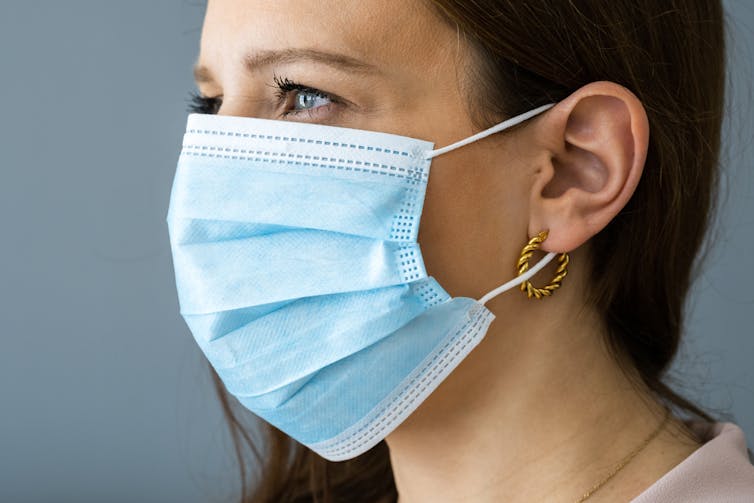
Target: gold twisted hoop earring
(523,266)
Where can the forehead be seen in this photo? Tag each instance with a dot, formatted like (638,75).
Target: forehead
(390,34)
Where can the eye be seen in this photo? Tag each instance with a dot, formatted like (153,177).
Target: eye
(199,104)
(297,99)
(306,100)
(293,99)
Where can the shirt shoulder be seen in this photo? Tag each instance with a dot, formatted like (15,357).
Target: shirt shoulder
(720,470)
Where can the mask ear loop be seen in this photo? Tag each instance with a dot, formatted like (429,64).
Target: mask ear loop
(513,121)
(518,279)
(487,132)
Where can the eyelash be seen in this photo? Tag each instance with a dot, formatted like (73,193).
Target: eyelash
(210,105)
(199,104)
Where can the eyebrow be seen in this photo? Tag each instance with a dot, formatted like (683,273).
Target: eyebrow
(259,60)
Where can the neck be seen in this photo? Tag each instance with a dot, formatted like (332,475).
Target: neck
(530,415)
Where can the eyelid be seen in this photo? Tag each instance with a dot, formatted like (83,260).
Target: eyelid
(318,114)
(204,104)
(286,86)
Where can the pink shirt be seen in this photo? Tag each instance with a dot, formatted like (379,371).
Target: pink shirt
(718,471)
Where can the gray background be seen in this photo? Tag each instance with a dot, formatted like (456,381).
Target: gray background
(103,394)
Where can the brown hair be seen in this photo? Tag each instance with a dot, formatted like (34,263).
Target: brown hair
(671,55)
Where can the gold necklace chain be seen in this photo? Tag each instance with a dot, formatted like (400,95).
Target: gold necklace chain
(625,460)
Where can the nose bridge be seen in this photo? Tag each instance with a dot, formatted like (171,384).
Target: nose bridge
(245,105)
(245,94)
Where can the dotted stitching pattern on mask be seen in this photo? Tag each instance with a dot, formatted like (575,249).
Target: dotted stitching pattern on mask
(428,294)
(404,222)
(412,175)
(411,268)
(298,139)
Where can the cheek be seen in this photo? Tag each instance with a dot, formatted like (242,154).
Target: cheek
(473,223)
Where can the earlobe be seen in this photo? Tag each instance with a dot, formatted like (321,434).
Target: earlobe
(597,141)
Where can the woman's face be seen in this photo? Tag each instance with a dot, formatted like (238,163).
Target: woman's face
(381,65)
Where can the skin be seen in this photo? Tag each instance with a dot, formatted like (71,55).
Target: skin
(538,411)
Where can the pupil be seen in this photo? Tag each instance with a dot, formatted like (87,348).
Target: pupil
(305,100)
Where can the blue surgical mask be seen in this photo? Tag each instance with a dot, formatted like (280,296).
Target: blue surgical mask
(299,274)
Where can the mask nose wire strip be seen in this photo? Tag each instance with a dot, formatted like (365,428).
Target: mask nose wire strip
(518,279)
(487,132)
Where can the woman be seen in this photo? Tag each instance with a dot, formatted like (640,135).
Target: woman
(303,279)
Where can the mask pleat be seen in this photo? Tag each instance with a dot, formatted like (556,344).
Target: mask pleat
(353,380)
(247,271)
(256,354)
(371,205)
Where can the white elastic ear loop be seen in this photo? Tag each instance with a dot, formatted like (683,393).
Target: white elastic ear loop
(487,132)
(518,279)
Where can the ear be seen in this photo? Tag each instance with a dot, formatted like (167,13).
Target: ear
(594,145)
